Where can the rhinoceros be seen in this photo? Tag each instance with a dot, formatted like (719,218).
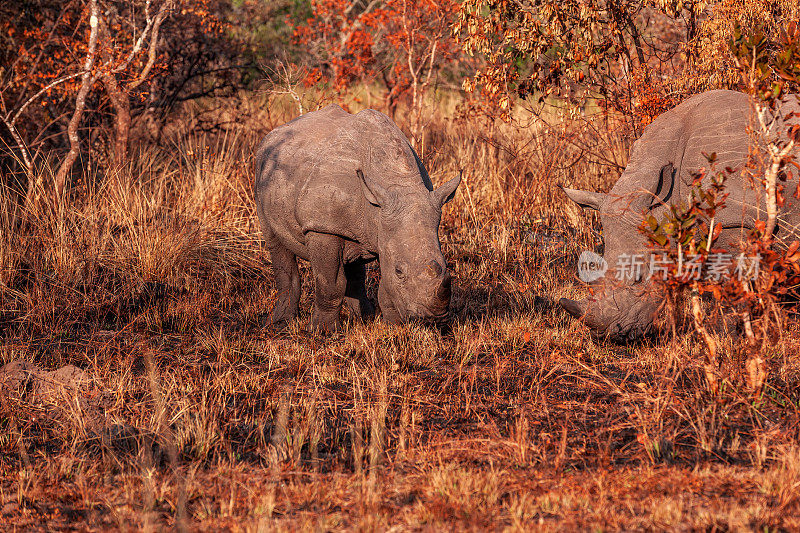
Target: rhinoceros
(661,167)
(340,190)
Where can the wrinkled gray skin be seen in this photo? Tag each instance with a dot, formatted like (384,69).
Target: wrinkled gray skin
(660,172)
(339,191)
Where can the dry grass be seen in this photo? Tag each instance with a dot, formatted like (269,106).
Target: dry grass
(154,282)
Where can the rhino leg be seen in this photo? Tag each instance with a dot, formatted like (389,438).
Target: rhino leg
(330,283)
(287,283)
(355,296)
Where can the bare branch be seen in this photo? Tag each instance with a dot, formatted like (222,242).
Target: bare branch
(44,89)
(139,42)
(152,52)
(26,159)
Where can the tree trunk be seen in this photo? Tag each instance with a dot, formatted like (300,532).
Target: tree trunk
(711,365)
(122,120)
(80,102)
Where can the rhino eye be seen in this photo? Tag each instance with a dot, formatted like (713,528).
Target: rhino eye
(400,271)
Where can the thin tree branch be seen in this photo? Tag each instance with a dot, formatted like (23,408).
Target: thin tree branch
(152,52)
(46,88)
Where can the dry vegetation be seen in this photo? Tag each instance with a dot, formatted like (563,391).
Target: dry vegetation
(189,411)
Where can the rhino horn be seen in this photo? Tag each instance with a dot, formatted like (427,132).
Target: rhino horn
(591,200)
(572,307)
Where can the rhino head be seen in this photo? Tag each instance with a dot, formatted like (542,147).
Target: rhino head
(415,282)
(624,302)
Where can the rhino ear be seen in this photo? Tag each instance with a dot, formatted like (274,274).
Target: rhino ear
(374,193)
(666,184)
(588,199)
(445,193)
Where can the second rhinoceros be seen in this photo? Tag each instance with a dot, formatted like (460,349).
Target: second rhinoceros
(340,190)
(672,149)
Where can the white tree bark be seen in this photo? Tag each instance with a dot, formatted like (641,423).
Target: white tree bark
(80,103)
(777,153)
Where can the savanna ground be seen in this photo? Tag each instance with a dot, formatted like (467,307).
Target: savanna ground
(189,411)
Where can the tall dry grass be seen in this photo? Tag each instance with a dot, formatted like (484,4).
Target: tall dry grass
(154,281)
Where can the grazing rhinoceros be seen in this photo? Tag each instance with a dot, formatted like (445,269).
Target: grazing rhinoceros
(341,190)
(660,170)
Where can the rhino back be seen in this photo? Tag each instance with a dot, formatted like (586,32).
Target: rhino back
(717,122)
(306,172)
(714,121)
(390,159)
(711,122)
